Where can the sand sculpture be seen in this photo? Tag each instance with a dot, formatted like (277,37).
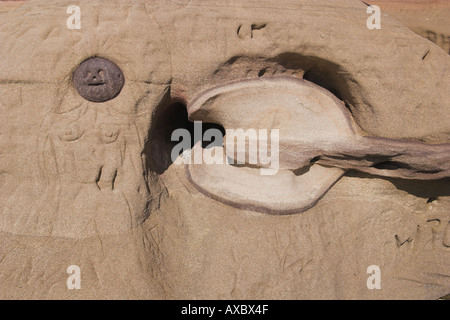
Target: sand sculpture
(317,127)
(88,180)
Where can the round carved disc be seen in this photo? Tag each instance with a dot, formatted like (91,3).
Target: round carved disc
(98,79)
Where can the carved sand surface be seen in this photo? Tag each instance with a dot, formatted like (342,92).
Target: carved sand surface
(315,127)
(428,18)
(87,178)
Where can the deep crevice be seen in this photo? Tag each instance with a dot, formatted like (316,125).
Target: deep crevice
(321,72)
(390,165)
(170,117)
(432,199)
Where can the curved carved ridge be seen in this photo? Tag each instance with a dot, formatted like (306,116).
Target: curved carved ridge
(283,193)
(318,136)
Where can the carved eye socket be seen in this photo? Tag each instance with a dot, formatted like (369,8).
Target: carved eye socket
(98,79)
